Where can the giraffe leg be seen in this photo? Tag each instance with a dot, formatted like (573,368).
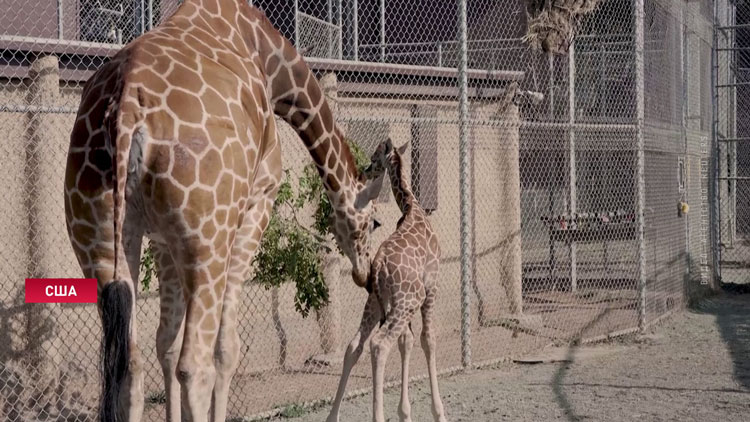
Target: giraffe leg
(370,318)
(396,323)
(246,243)
(203,284)
(428,345)
(405,344)
(116,306)
(171,326)
(228,344)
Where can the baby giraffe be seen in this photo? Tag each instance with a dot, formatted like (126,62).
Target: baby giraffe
(403,279)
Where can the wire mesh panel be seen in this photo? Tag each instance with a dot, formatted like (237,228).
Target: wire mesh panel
(731,131)
(552,210)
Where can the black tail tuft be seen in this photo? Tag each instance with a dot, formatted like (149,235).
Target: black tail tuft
(116,307)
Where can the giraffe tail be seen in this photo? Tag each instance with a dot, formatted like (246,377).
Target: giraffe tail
(116,307)
(118,295)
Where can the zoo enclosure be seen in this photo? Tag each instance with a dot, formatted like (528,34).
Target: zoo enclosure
(558,219)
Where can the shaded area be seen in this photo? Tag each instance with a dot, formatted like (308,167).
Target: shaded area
(732,314)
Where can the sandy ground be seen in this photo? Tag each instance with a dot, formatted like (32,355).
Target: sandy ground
(695,366)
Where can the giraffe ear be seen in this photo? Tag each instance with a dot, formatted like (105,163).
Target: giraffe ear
(388,146)
(402,149)
(369,192)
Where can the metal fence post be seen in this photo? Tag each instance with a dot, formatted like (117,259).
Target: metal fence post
(640,169)
(713,184)
(296,24)
(142,17)
(463,153)
(572,159)
(340,22)
(60,19)
(355,29)
(382,30)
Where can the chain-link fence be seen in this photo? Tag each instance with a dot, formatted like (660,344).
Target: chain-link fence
(561,216)
(732,80)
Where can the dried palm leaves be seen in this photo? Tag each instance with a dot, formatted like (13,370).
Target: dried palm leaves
(552,24)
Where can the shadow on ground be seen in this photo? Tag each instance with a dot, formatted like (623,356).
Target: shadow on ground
(732,311)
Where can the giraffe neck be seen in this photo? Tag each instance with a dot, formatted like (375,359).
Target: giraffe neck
(292,88)
(297,98)
(399,184)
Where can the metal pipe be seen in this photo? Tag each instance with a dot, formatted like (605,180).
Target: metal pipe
(730,85)
(551,85)
(464,166)
(60,19)
(684,109)
(440,54)
(713,185)
(572,159)
(142,13)
(296,24)
(732,129)
(330,35)
(551,195)
(11,108)
(382,30)
(640,179)
(340,22)
(355,29)
(602,55)
(150,10)
(725,27)
(495,123)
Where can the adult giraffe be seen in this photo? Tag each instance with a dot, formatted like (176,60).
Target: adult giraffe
(175,139)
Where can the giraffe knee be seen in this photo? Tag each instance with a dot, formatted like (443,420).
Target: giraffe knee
(168,358)
(227,358)
(167,352)
(406,341)
(191,374)
(376,346)
(379,347)
(427,339)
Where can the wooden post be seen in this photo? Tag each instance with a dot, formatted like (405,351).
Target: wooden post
(47,237)
(512,211)
(329,317)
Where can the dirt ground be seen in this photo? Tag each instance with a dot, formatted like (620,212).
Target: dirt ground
(694,366)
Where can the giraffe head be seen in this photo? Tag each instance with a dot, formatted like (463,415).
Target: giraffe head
(383,158)
(353,223)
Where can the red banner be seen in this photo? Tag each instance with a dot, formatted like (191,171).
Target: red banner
(60,290)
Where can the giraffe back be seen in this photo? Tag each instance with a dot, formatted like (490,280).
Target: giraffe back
(194,104)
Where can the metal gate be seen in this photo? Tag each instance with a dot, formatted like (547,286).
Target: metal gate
(731,132)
